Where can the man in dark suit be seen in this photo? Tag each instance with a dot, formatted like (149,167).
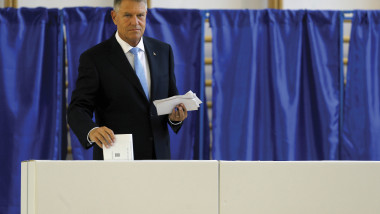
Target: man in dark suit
(118,80)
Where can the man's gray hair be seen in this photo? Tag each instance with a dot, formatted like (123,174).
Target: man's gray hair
(116,4)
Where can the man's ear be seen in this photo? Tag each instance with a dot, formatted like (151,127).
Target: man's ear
(113,16)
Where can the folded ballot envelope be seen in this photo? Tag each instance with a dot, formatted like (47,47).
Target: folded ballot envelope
(165,106)
(122,149)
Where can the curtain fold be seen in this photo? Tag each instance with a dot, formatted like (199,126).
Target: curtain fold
(275,84)
(85,27)
(30,94)
(361,120)
(182,29)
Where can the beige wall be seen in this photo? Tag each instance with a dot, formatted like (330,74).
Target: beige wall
(208,4)
(332,4)
(214,4)
(65,3)
(198,4)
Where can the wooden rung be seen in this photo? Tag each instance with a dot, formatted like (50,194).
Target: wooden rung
(345,61)
(208,83)
(346,39)
(210,126)
(69,150)
(66,63)
(275,4)
(209,104)
(10,3)
(67,84)
(208,39)
(208,61)
(347,21)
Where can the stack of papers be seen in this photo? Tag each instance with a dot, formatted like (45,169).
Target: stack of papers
(166,106)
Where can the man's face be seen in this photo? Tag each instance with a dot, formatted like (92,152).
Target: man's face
(130,20)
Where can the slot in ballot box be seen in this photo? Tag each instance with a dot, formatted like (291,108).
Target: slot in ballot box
(63,187)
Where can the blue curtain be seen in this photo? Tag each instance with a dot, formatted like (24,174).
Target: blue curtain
(361,120)
(85,27)
(30,94)
(182,29)
(275,84)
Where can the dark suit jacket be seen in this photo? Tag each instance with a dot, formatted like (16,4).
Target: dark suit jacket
(108,86)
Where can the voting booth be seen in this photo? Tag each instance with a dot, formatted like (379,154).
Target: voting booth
(209,187)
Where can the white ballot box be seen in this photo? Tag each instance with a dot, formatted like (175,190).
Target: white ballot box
(136,187)
(317,187)
(200,187)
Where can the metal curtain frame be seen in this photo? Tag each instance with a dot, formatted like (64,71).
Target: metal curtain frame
(205,15)
(60,85)
(343,18)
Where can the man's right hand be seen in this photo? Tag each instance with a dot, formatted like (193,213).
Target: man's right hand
(102,136)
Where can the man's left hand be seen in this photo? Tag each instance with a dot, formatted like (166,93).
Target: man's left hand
(179,113)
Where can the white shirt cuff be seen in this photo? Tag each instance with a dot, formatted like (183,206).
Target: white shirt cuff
(88,136)
(174,124)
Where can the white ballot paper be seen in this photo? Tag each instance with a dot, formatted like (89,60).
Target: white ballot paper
(122,148)
(165,106)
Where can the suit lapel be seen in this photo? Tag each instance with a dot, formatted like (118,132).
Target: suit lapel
(120,61)
(152,61)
